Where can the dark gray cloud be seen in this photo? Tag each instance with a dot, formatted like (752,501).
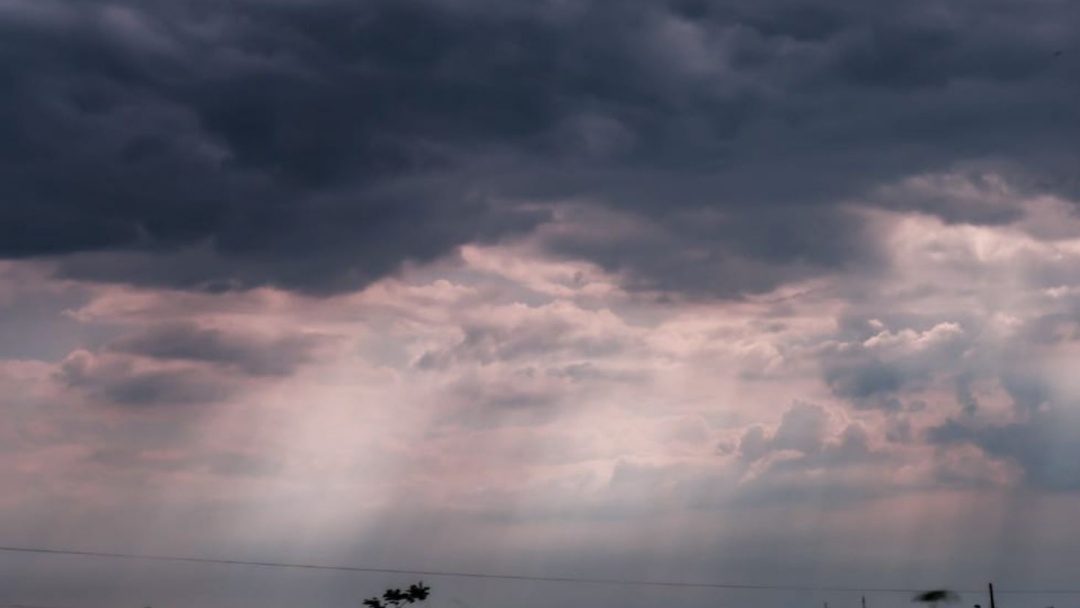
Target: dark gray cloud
(708,250)
(248,354)
(487,342)
(243,146)
(183,363)
(875,367)
(317,146)
(804,459)
(863,380)
(1042,444)
(805,429)
(121,382)
(1043,426)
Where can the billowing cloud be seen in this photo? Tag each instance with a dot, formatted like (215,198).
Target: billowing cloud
(749,292)
(510,398)
(320,146)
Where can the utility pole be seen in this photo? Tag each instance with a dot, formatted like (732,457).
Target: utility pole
(992,604)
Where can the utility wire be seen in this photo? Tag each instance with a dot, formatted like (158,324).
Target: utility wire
(482,575)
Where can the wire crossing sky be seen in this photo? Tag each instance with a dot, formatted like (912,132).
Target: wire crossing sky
(508,577)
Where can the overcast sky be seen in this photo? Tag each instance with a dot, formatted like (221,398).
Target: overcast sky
(779,293)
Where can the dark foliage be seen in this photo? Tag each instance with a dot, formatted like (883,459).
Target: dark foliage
(393,598)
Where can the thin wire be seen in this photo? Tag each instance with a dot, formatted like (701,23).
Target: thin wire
(509,577)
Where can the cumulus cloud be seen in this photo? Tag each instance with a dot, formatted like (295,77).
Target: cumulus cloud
(872,373)
(540,400)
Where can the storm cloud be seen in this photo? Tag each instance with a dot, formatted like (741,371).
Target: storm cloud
(319,146)
(770,293)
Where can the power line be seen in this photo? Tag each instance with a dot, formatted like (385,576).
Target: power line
(483,575)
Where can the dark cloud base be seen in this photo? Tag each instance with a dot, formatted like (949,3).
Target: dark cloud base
(318,146)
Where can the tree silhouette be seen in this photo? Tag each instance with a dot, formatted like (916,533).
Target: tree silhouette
(394,598)
(932,597)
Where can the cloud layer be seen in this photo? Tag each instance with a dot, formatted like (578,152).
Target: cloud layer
(762,293)
(540,407)
(319,146)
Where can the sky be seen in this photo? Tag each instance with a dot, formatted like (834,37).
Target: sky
(775,294)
